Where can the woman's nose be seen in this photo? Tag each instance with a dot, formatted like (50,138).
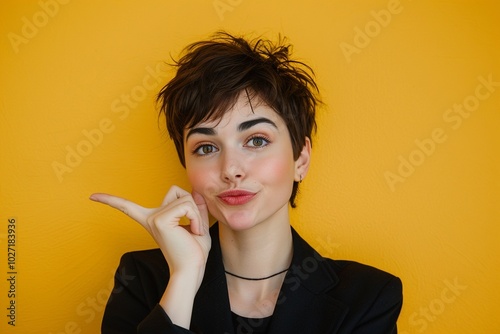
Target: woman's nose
(232,168)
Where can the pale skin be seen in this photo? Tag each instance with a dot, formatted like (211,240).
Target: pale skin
(248,152)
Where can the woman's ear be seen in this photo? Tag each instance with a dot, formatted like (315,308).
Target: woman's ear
(303,161)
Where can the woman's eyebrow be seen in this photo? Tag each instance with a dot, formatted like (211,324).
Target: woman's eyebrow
(203,131)
(242,127)
(248,124)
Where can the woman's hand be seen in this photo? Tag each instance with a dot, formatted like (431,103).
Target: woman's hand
(185,247)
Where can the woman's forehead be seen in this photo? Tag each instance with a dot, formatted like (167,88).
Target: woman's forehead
(245,107)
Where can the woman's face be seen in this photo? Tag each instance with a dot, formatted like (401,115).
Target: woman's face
(243,165)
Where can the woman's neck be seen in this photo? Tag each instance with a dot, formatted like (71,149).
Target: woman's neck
(261,251)
(258,252)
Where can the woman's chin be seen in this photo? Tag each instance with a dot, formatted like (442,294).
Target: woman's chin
(238,222)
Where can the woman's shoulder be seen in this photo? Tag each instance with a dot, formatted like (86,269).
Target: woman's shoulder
(146,255)
(148,265)
(360,284)
(359,273)
(355,284)
(345,275)
(371,297)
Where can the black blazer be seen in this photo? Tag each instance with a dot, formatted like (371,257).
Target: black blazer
(319,296)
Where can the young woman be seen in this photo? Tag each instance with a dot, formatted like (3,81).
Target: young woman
(241,114)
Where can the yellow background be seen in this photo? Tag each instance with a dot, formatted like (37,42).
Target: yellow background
(390,84)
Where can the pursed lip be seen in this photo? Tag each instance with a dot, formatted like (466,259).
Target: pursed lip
(236,196)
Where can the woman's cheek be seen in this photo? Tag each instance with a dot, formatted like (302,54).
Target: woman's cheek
(201,181)
(277,169)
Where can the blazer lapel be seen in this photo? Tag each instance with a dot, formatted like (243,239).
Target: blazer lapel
(303,295)
(211,309)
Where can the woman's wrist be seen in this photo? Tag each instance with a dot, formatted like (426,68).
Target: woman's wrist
(178,299)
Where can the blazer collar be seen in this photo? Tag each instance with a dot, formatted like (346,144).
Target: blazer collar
(305,284)
(304,294)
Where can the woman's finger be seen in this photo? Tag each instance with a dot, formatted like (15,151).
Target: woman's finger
(131,209)
(203,210)
(174,193)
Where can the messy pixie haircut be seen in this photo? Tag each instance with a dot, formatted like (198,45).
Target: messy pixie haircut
(211,74)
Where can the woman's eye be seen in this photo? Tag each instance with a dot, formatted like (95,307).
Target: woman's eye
(205,149)
(257,142)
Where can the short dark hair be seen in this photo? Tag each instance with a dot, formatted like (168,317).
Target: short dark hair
(212,73)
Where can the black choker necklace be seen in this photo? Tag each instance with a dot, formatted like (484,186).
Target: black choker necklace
(256,279)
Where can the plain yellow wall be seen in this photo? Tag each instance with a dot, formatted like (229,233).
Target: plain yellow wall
(406,163)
